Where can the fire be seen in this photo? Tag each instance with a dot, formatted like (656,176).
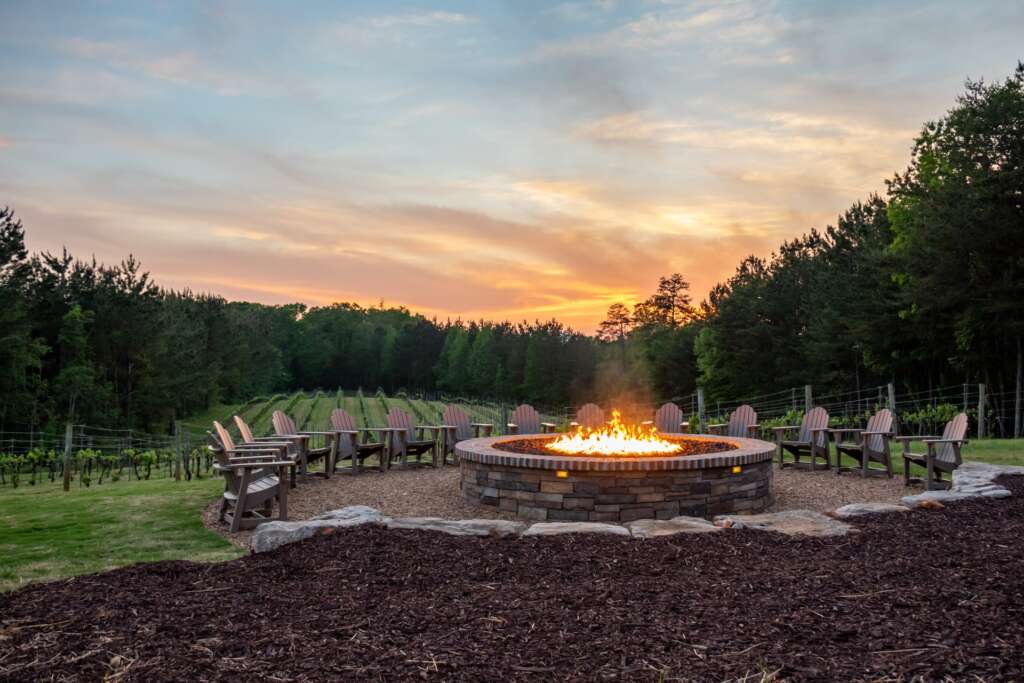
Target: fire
(614,439)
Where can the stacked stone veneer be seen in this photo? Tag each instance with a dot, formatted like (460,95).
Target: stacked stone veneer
(617,489)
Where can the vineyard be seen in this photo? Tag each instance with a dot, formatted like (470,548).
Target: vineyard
(98,456)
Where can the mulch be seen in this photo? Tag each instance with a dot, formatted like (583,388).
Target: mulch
(687,447)
(928,595)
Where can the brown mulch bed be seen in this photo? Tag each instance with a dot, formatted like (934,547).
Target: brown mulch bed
(687,447)
(929,595)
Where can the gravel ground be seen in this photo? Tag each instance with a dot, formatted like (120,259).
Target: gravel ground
(426,492)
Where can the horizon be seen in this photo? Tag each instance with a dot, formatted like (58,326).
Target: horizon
(476,162)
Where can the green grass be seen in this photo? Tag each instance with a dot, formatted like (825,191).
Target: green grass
(47,534)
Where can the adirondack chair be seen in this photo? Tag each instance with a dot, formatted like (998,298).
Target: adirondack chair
(526,420)
(457,427)
(252,480)
(589,416)
(359,449)
(294,447)
(867,445)
(284,427)
(811,439)
(411,438)
(669,420)
(742,423)
(942,454)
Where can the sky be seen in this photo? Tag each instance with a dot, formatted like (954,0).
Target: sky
(501,160)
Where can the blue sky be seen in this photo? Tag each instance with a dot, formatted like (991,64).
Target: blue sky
(514,159)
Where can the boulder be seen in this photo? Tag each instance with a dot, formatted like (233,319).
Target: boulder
(363,512)
(560,528)
(653,528)
(273,535)
(459,527)
(790,522)
(858,509)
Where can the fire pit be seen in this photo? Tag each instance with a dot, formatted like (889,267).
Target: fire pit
(617,474)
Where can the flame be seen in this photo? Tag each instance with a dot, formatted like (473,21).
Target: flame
(614,439)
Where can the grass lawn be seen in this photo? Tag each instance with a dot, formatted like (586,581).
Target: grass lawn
(48,534)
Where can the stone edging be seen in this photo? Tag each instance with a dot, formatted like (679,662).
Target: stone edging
(971,480)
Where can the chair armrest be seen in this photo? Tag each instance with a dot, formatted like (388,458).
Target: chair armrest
(481,424)
(785,429)
(547,427)
(718,425)
(350,432)
(268,446)
(914,438)
(257,465)
(447,427)
(956,441)
(888,434)
(847,430)
(433,429)
(328,433)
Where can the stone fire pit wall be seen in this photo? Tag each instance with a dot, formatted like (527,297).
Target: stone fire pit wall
(593,489)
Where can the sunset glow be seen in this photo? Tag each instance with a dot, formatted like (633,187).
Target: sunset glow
(513,160)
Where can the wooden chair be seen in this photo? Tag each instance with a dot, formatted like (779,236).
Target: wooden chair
(867,446)
(284,427)
(526,420)
(942,454)
(812,440)
(742,423)
(294,447)
(669,420)
(589,416)
(457,427)
(410,438)
(360,444)
(252,480)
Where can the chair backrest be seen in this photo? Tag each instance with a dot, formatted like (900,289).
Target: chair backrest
(741,420)
(283,424)
(243,430)
(815,418)
(456,416)
(881,421)
(340,419)
(225,439)
(668,418)
(589,416)
(399,419)
(527,419)
(956,430)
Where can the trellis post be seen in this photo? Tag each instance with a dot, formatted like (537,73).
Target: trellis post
(808,398)
(177,452)
(68,436)
(891,388)
(981,411)
(700,409)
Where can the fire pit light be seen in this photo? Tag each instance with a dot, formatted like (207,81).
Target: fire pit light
(614,439)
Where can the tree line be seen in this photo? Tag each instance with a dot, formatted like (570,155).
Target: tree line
(922,287)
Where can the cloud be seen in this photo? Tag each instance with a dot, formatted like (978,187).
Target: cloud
(372,31)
